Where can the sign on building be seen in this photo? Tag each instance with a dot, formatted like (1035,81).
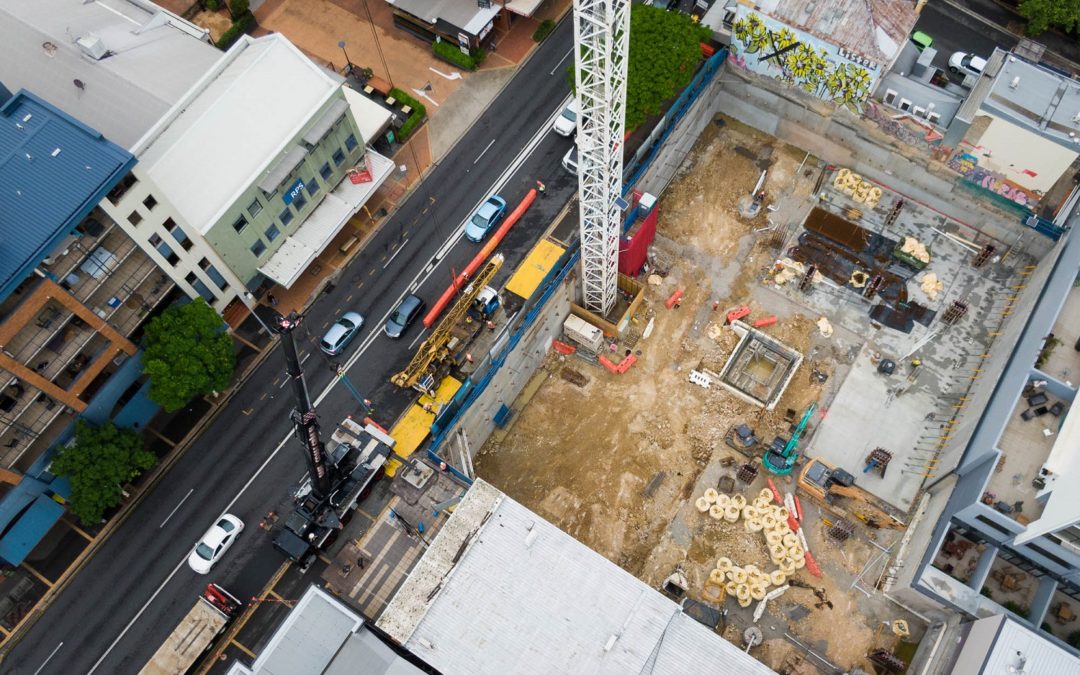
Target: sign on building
(294,190)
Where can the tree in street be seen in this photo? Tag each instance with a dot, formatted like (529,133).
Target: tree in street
(664,53)
(1042,14)
(100,461)
(187,353)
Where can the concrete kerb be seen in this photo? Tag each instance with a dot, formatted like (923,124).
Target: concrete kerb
(238,625)
(155,476)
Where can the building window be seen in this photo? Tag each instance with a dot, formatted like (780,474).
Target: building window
(149,202)
(179,235)
(299,201)
(993,525)
(134,218)
(240,224)
(199,287)
(339,157)
(312,186)
(118,192)
(285,216)
(350,143)
(214,275)
(272,232)
(258,248)
(326,171)
(163,249)
(255,208)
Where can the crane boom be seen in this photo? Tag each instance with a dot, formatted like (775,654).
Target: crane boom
(434,349)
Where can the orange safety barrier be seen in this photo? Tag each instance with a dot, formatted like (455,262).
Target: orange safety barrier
(562,347)
(674,299)
(792,523)
(621,367)
(767,321)
(798,507)
(368,420)
(737,313)
(811,564)
(462,280)
(775,493)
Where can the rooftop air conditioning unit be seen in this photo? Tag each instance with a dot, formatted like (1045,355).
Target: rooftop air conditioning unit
(92,46)
(1015,82)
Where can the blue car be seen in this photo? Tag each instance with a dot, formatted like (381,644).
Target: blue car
(341,333)
(486,217)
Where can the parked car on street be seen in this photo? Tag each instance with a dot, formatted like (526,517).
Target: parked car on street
(213,545)
(403,316)
(566,123)
(569,160)
(486,217)
(963,63)
(338,336)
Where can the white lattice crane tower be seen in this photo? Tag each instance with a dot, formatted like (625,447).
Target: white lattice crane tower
(601,49)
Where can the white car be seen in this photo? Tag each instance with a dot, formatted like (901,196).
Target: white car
(566,123)
(966,64)
(215,543)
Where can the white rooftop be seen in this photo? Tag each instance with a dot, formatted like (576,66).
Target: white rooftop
(998,645)
(240,117)
(502,590)
(146,59)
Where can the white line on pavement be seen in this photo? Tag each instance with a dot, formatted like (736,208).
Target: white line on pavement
(46,661)
(560,63)
(413,344)
(395,254)
(484,151)
(176,508)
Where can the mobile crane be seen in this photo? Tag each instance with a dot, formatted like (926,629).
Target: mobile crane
(335,481)
(475,305)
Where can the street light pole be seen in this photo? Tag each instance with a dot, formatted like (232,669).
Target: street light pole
(348,61)
(250,302)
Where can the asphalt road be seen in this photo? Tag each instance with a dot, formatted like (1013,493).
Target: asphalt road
(130,596)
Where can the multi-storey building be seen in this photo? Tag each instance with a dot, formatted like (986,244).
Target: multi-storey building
(75,292)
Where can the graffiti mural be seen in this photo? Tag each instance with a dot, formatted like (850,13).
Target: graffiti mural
(801,60)
(967,165)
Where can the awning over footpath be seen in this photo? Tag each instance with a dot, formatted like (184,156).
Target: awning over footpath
(523,7)
(302,247)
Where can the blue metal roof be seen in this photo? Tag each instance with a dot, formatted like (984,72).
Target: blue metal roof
(53,171)
(29,529)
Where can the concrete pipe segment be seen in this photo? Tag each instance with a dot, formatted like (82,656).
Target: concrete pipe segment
(711,495)
(702,504)
(724,564)
(738,501)
(716,512)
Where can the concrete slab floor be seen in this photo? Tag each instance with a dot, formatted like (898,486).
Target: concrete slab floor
(1064,361)
(900,406)
(1025,446)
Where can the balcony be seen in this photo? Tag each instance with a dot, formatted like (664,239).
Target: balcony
(1025,444)
(1064,360)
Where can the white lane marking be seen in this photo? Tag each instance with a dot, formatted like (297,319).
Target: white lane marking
(422,94)
(46,661)
(395,254)
(541,133)
(176,508)
(452,76)
(482,152)
(183,560)
(305,358)
(571,51)
(413,344)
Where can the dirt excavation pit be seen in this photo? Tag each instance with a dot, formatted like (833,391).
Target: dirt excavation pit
(617,461)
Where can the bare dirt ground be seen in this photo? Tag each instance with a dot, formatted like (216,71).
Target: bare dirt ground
(216,22)
(617,460)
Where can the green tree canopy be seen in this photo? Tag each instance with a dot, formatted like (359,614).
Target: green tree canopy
(188,353)
(664,53)
(101,460)
(1042,14)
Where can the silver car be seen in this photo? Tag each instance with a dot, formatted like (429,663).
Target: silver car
(339,335)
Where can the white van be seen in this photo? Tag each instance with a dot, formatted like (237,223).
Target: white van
(566,123)
(569,160)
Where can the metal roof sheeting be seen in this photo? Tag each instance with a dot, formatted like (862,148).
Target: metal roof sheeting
(53,170)
(501,590)
(153,57)
(325,122)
